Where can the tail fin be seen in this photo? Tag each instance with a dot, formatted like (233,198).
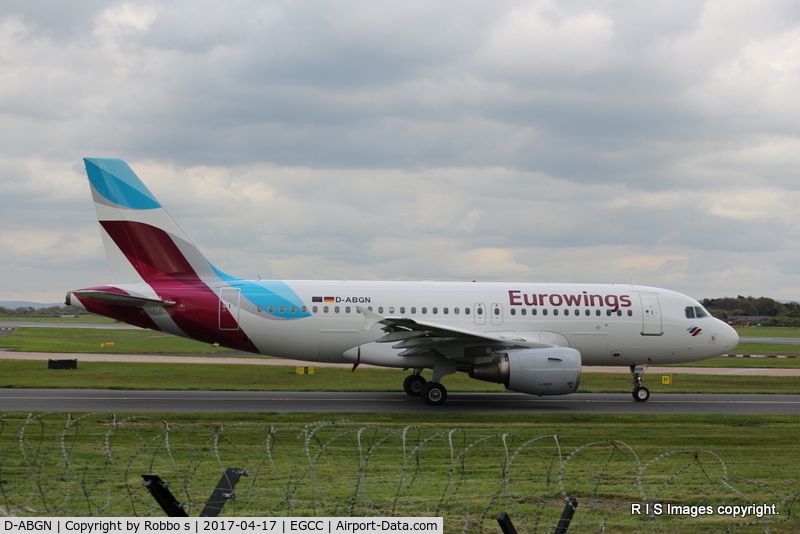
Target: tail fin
(142,241)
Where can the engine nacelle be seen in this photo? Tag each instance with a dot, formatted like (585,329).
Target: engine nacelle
(550,371)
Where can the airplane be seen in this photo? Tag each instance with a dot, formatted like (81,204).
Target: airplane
(531,337)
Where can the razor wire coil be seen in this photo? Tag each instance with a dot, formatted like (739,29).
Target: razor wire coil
(56,464)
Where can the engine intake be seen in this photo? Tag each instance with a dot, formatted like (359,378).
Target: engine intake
(550,371)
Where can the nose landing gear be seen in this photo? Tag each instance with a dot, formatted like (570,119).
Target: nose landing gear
(640,393)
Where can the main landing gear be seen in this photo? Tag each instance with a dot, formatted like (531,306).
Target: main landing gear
(431,392)
(640,393)
(414,383)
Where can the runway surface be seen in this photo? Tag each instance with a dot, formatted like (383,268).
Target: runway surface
(118,401)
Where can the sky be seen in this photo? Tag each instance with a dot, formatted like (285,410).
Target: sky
(655,143)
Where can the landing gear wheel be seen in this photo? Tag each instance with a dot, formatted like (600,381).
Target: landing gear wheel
(413,385)
(641,393)
(433,393)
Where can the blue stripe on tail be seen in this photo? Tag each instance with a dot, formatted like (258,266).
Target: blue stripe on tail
(115,181)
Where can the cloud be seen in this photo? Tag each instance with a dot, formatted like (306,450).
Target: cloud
(533,141)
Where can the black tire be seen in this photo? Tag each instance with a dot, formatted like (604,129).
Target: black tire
(433,393)
(413,385)
(641,394)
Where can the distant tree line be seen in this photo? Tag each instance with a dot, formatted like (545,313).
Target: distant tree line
(52,311)
(778,313)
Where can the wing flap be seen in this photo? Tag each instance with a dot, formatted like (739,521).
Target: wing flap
(418,337)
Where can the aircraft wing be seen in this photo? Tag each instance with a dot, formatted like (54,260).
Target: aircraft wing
(417,337)
(118,299)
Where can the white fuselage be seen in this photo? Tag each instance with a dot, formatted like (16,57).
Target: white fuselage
(608,324)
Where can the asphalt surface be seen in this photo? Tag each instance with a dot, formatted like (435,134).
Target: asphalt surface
(94,400)
(118,401)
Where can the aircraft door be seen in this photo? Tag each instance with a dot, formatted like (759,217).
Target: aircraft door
(229,308)
(479,313)
(651,315)
(497,314)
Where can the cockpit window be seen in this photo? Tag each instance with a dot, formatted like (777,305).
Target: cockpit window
(700,312)
(690,312)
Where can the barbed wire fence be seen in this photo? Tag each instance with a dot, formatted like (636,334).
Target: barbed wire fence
(55,464)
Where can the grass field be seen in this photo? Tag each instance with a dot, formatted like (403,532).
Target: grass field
(19,373)
(461,467)
(94,341)
(755,455)
(178,376)
(767,331)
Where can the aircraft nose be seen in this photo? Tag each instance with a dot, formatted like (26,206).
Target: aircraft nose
(729,337)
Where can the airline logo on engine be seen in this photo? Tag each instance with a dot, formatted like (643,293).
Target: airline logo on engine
(585,299)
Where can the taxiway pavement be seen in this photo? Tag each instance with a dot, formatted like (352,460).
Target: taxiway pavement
(122,401)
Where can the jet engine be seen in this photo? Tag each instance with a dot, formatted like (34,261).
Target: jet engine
(548,371)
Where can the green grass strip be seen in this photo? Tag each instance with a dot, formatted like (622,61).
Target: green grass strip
(237,377)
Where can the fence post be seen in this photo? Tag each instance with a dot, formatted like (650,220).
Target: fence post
(505,523)
(223,492)
(163,496)
(566,516)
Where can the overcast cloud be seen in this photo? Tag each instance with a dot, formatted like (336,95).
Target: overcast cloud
(576,141)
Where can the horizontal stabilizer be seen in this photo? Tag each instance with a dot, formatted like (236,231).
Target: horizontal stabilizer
(117,299)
